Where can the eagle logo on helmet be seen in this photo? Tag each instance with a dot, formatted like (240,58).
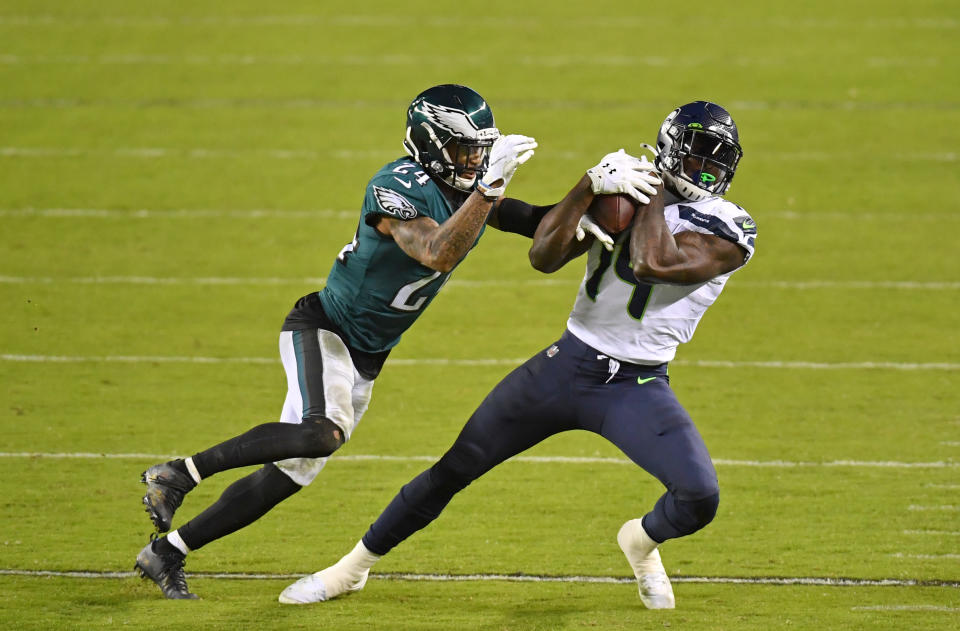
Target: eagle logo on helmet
(451,120)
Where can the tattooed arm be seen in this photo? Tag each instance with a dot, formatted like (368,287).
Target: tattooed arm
(439,246)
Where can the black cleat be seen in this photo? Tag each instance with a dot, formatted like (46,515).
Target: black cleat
(166,570)
(166,487)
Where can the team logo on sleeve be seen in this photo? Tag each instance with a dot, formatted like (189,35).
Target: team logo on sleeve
(746,224)
(393,203)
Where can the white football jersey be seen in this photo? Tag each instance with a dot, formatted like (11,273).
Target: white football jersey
(643,324)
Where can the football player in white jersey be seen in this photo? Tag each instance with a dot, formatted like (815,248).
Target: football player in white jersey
(643,293)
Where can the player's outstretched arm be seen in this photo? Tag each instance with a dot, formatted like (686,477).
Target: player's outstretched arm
(687,258)
(555,240)
(439,246)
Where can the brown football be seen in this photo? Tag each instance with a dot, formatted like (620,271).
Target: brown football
(613,213)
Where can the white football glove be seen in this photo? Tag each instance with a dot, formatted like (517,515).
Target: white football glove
(507,153)
(588,225)
(619,172)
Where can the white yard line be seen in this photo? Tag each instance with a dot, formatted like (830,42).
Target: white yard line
(158,280)
(426,361)
(382,154)
(180,213)
(702,363)
(150,153)
(904,608)
(521,578)
(384,104)
(235,280)
(941,507)
(443,22)
(857,215)
(539,282)
(574,460)
(418,60)
(933,533)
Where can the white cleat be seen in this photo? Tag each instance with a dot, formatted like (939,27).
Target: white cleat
(644,558)
(323,585)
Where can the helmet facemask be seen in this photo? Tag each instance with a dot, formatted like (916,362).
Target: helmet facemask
(698,161)
(460,161)
(706,160)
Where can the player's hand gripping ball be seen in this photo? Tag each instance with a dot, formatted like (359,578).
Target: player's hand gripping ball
(620,182)
(613,213)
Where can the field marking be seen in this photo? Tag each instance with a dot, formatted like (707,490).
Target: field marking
(226,280)
(904,608)
(849,284)
(401,60)
(386,104)
(523,578)
(425,361)
(935,557)
(951,487)
(180,213)
(941,507)
(777,464)
(150,153)
(326,213)
(950,443)
(539,282)
(361,20)
(934,533)
(202,153)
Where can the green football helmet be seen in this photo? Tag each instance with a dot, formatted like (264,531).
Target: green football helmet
(450,130)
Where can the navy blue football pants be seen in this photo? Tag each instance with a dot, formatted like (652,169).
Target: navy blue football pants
(567,386)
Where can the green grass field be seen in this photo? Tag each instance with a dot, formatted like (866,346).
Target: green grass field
(174,176)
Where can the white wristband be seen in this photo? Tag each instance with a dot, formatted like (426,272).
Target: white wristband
(488,193)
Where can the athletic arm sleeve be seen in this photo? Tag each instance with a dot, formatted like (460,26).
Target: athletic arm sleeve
(519,217)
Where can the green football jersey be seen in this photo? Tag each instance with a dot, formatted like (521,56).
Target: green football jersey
(375,291)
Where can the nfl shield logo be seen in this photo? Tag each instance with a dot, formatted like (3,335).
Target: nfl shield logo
(553,350)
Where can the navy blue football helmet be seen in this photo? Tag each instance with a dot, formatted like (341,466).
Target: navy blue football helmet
(698,149)
(450,131)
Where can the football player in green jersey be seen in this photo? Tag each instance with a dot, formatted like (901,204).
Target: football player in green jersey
(421,215)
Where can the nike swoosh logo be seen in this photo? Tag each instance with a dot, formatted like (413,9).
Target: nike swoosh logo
(406,184)
(642,381)
(749,225)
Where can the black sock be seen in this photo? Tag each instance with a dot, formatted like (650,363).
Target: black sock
(162,546)
(181,467)
(241,504)
(265,443)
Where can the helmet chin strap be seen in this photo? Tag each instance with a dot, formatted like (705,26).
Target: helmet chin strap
(669,195)
(653,150)
(683,189)
(463,183)
(457,181)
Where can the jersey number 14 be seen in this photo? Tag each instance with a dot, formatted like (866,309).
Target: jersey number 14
(641,291)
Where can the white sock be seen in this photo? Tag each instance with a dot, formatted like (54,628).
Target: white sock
(192,468)
(639,543)
(177,542)
(359,558)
